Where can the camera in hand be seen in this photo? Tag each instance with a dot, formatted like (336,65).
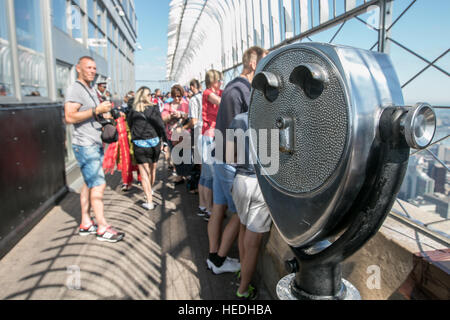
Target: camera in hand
(115,113)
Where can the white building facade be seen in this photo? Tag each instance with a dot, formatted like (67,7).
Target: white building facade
(42,40)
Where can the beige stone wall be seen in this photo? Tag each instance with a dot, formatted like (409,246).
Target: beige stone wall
(390,251)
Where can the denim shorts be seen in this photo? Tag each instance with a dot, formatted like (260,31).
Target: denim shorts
(207,174)
(90,160)
(223,183)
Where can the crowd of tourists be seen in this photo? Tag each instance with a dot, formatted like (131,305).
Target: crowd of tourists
(151,125)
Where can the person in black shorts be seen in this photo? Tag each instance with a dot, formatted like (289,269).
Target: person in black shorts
(147,133)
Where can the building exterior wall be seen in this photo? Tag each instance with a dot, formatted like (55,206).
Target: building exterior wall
(32,175)
(41,42)
(36,34)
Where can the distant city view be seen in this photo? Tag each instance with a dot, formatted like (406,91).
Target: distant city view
(424,194)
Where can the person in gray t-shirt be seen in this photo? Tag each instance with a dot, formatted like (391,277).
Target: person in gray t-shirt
(87,132)
(82,108)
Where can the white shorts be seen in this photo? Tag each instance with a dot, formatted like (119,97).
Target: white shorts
(251,207)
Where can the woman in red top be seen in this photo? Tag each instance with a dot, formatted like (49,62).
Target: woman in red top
(211,101)
(210,107)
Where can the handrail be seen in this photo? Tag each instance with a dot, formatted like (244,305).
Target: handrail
(435,235)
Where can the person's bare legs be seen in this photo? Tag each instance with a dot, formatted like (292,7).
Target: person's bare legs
(208,194)
(241,242)
(144,169)
(229,235)
(205,197)
(201,196)
(153,167)
(96,200)
(167,154)
(85,206)
(252,242)
(215,227)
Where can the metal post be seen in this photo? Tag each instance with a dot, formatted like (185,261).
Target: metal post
(85,23)
(388,22)
(386,7)
(323,281)
(48,48)
(14,49)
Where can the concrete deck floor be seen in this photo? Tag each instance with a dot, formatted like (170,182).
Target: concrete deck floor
(162,256)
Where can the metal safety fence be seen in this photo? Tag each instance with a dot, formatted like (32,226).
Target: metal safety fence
(412,32)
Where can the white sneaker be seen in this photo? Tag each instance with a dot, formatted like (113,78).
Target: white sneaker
(148,206)
(229,265)
(233,260)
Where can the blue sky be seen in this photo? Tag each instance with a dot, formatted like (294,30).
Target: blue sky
(153,16)
(425,29)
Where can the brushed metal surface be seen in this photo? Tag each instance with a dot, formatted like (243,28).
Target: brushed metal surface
(320,125)
(335,136)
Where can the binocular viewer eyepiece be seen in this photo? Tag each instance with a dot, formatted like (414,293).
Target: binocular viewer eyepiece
(416,125)
(344,142)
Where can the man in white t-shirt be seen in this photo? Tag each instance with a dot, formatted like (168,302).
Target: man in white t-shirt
(195,113)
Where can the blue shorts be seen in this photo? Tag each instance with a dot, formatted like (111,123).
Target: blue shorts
(207,174)
(90,160)
(224,175)
(206,182)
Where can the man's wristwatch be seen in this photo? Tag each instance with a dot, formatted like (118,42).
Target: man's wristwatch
(94,113)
